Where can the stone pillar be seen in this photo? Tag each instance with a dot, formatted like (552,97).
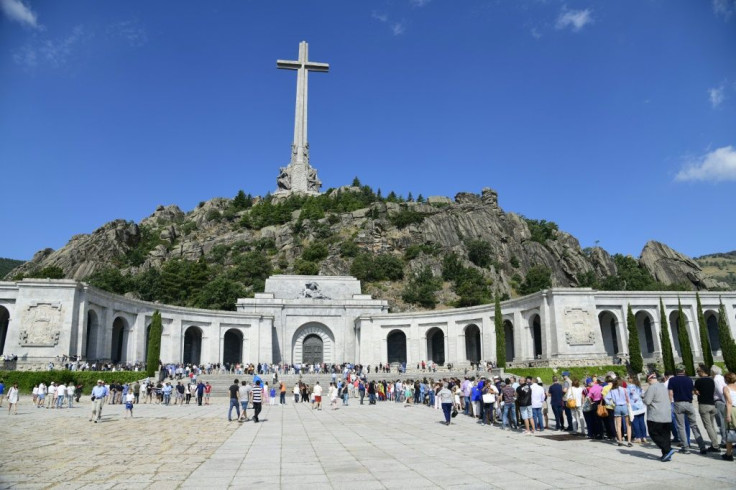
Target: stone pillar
(520,331)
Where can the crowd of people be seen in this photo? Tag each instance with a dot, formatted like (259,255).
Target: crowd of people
(611,408)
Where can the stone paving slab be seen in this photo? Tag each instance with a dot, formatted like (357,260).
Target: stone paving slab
(386,445)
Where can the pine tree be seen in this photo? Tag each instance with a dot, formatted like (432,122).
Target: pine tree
(668,359)
(704,340)
(684,338)
(636,362)
(410,198)
(356,182)
(728,348)
(154,345)
(500,335)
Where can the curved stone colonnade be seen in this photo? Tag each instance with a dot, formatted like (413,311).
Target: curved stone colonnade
(307,319)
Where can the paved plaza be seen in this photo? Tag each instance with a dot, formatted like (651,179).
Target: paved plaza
(383,446)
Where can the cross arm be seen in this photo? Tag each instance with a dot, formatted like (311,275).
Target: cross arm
(288,65)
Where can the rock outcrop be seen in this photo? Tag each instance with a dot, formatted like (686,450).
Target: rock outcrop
(672,267)
(218,232)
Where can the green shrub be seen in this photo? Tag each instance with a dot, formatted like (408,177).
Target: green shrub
(537,278)
(349,248)
(305,267)
(541,230)
(315,252)
(480,252)
(406,217)
(421,288)
(28,379)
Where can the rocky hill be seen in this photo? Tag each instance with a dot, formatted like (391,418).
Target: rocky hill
(418,253)
(720,266)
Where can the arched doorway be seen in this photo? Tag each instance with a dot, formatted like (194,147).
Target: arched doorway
(192,345)
(232,352)
(436,346)
(93,333)
(607,322)
(674,332)
(472,343)
(508,330)
(644,330)
(313,349)
(119,348)
(4,322)
(396,347)
(537,336)
(711,321)
(306,349)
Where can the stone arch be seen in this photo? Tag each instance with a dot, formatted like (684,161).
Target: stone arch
(4,322)
(674,331)
(609,332)
(314,329)
(472,343)
(645,331)
(119,343)
(232,349)
(535,324)
(396,347)
(711,322)
(192,345)
(93,336)
(508,330)
(436,345)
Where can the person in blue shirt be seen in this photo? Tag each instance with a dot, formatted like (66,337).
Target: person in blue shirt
(2,392)
(99,393)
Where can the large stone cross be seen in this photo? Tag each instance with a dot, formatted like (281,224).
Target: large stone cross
(300,176)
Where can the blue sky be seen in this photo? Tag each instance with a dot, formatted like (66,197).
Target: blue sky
(617,120)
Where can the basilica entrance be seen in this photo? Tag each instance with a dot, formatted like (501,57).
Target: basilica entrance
(313,350)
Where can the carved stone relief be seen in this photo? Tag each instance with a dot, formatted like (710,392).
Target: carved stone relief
(41,325)
(578,330)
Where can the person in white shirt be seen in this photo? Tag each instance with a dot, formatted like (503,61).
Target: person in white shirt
(129,398)
(60,395)
(51,396)
(538,397)
(317,392)
(70,394)
(720,402)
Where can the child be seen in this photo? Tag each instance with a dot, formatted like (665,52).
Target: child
(272,396)
(129,404)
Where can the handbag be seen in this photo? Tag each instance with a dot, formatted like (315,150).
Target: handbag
(454,412)
(488,398)
(731,435)
(572,403)
(587,405)
(601,410)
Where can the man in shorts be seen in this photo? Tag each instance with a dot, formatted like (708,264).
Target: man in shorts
(317,392)
(524,399)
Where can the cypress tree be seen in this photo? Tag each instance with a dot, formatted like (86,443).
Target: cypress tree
(668,359)
(704,340)
(636,362)
(728,348)
(154,345)
(684,338)
(500,335)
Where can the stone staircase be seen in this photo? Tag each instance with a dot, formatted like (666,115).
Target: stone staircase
(221,382)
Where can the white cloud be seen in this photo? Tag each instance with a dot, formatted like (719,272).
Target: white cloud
(19,12)
(715,166)
(54,53)
(130,31)
(574,19)
(379,17)
(717,95)
(536,34)
(397,28)
(724,8)
(419,3)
